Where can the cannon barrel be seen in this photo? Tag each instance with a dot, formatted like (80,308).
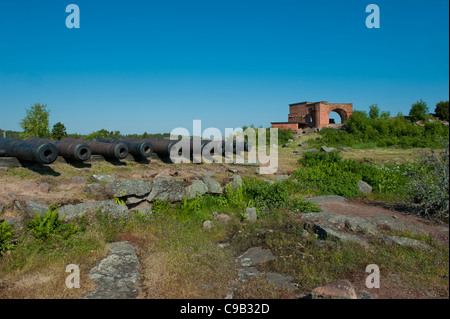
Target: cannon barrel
(136,148)
(107,150)
(74,151)
(161,147)
(45,153)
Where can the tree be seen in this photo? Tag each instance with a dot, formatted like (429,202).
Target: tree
(36,122)
(419,111)
(59,131)
(442,110)
(374,112)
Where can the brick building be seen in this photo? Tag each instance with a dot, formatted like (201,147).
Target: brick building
(313,114)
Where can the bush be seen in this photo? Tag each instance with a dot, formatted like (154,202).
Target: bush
(428,189)
(50,226)
(361,130)
(6,235)
(329,174)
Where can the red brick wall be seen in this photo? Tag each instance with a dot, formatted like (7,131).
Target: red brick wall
(286,126)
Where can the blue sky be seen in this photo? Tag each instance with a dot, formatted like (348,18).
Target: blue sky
(138,66)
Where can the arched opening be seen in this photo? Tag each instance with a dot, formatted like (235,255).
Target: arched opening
(337,117)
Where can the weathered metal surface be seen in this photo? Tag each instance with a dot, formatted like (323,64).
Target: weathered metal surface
(70,151)
(108,150)
(142,148)
(23,150)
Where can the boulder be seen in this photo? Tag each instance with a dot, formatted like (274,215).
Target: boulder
(197,187)
(78,210)
(327,149)
(121,188)
(255,256)
(304,144)
(169,189)
(365,188)
(403,241)
(340,289)
(30,208)
(95,189)
(213,186)
(343,148)
(236,182)
(102,178)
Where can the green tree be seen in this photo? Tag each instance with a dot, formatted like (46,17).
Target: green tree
(419,111)
(36,122)
(442,110)
(59,131)
(374,111)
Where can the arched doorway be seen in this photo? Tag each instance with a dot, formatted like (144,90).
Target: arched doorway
(337,116)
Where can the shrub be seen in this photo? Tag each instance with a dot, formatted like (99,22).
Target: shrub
(50,225)
(428,189)
(6,235)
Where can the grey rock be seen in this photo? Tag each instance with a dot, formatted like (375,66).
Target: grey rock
(284,145)
(117,275)
(132,200)
(364,187)
(255,256)
(213,186)
(197,187)
(343,148)
(247,273)
(281,281)
(327,149)
(121,188)
(95,189)
(250,214)
(341,289)
(30,208)
(236,182)
(16,223)
(102,178)
(169,189)
(78,210)
(403,241)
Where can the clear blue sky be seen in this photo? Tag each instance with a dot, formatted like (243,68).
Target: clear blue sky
(138,66)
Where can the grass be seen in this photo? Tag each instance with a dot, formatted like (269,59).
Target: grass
(181,260)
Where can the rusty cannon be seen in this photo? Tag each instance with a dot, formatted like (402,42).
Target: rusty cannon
(45,153)
(139,149)
(107,150)
(70,151)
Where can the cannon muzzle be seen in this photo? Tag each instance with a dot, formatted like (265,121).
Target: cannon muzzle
(74,151)
(107,150)
(136,148)
(45,153)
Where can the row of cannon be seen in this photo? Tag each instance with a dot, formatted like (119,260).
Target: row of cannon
(46,151)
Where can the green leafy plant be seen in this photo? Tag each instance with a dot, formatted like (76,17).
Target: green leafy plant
(50,225)
(6,235)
